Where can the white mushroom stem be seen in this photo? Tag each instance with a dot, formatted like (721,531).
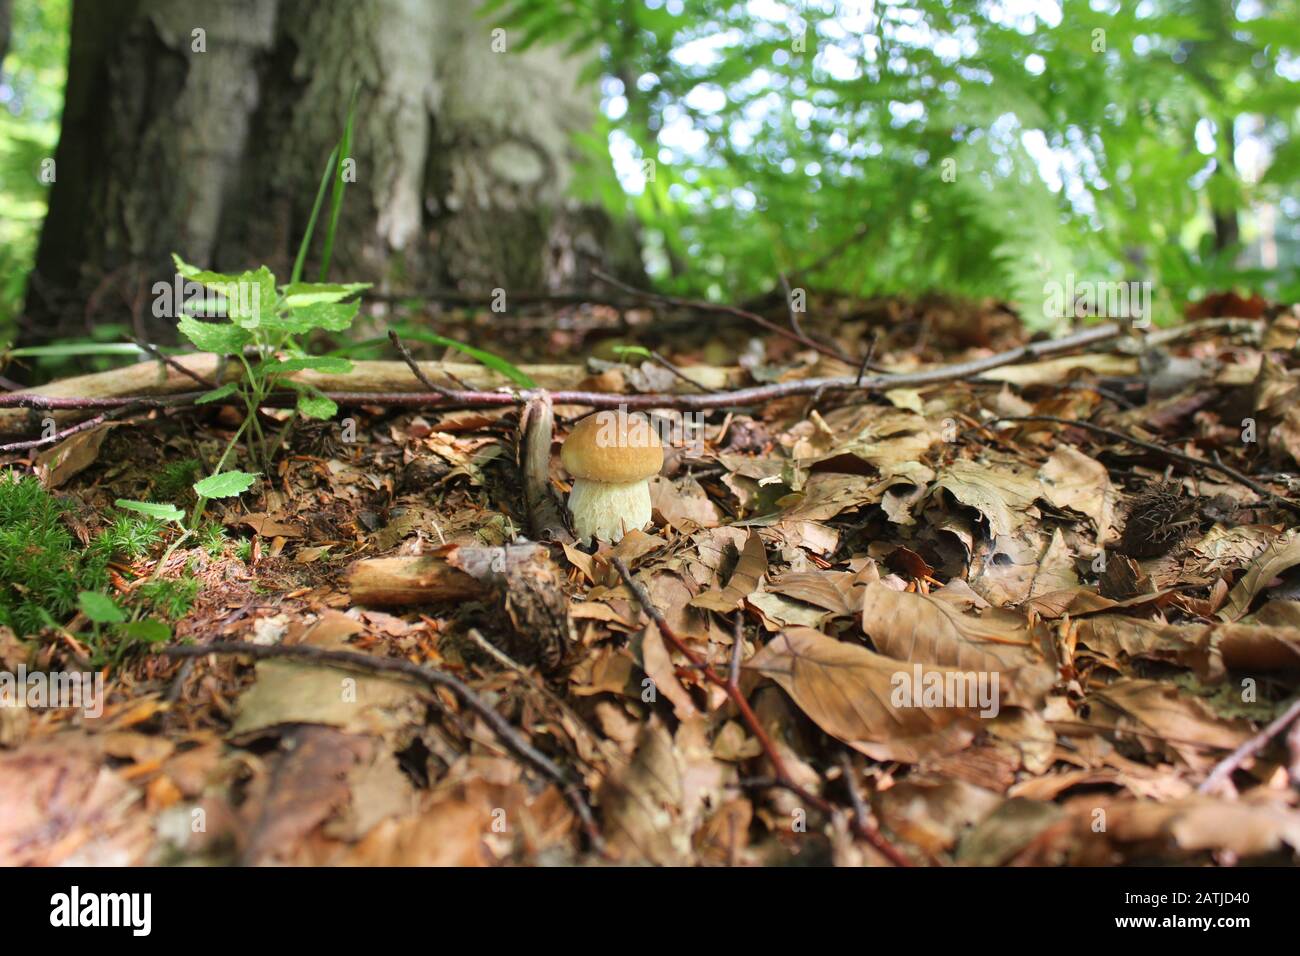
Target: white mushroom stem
(607,510)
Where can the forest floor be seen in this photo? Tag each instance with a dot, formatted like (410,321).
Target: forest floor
(1119,623)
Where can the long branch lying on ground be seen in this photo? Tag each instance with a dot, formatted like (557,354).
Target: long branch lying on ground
(143,383)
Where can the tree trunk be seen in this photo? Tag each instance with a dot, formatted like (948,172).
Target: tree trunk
(6,13)
(462,156)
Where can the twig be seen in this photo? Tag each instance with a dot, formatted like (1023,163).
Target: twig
(851,785)
(414,366)
(753,395)
(731,310)
(434,680)
(678,373)
(731,687)
(1111,433)
(87,425)
(866,359)
(737,648)
(60,403)
(1223,770)
(111,414)
(173,364)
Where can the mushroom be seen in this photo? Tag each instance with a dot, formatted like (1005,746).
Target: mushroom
(611,456)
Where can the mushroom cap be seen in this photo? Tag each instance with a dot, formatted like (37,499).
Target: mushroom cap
(614,447)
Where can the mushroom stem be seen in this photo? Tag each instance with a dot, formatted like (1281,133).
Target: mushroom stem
(606,510)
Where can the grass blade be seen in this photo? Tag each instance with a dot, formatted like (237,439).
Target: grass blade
(330,166)
(336,196)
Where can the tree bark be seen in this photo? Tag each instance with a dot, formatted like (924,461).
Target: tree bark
(6,14)
(461,169)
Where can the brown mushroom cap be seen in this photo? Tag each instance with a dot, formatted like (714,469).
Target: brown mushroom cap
(612,447)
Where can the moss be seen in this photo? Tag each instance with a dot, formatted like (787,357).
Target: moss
(42,567)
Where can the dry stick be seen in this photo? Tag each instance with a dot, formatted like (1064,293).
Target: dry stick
(111,414)
(432,679)
(721,309)
(862,827)
(414,366)
(1223,770)
(753,395)
(87,425)
(678,373)
(742,396)
(172,363)
(30,400)
(1215,465)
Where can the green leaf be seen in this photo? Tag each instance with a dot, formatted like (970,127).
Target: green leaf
(152,509)
(316,406)
(201,276)
(494,362)
(211,337)
(100,608)
(228,484)
(217,393)
(299,294)
(330,316)
(638,350)
(317,363)
(250,297)
(149,631)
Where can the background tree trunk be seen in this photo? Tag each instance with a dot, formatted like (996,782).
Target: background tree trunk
(6,13)
(212,145)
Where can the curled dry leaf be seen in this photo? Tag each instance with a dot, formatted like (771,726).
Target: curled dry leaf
(1280,555)
(745,579)
(1070,479)
(1002,492)
(1161,720)
(846,690)
(922,629)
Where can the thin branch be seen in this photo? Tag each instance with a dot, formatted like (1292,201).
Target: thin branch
(861,827)
(112,414)
(430,678)
(866,359)
(414,366)
(1224,769)
(732,310)
(173,364)
(61,403)
(1216,465)
(753,395)
(678,373)
(85,426)
(737,648)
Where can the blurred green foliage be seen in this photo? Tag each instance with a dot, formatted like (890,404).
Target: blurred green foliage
(1093,137)
(31,100)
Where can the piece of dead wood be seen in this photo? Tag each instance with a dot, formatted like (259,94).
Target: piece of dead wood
(537,436)
(155,379)
(390,383)
(410,579)
(520,580)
